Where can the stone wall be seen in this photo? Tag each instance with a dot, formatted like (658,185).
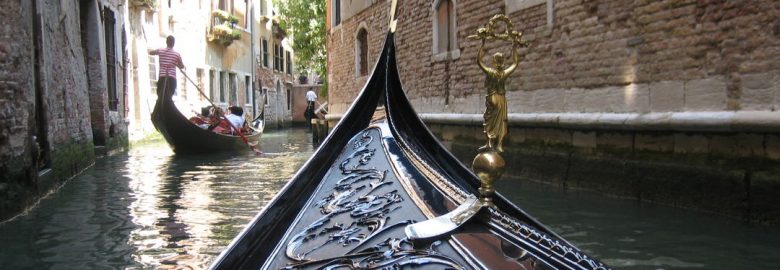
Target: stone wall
(717,173)
(46,119)
(17,100)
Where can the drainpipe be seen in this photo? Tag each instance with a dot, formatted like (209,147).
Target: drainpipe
(252,51)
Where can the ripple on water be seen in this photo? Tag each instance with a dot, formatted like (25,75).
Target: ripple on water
(150,209)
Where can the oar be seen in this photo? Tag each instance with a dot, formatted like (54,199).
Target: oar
(219,114)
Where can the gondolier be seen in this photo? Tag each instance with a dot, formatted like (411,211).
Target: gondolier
(311,99)
(169,61)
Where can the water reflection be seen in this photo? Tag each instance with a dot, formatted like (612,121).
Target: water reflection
(151,209)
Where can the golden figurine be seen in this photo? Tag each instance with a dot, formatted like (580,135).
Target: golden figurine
(488,164)
(495,126)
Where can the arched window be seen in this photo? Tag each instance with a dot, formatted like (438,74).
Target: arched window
(445,41)
(361,52)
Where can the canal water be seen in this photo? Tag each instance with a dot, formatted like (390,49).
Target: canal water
(150,209)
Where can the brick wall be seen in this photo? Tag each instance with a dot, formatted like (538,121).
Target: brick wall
(602,61)
(647,55)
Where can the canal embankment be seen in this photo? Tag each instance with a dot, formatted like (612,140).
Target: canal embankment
(695,163)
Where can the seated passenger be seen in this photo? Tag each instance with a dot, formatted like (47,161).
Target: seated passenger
(203,119)
(236,117)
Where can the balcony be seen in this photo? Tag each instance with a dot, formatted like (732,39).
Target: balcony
(223,28)
(144,4)
(276,28)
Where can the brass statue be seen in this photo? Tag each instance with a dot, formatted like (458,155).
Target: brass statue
(488,164)
(495,126)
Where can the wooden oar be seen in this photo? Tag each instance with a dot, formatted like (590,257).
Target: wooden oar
(220,114)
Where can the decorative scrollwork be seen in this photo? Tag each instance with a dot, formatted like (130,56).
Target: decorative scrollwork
(356,210)
(393,253)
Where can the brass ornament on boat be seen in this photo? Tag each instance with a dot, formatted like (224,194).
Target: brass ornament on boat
(488,164)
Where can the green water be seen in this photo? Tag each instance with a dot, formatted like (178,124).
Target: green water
(149,209)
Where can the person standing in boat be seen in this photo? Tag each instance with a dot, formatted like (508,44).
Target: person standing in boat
(169,61)
(311,99)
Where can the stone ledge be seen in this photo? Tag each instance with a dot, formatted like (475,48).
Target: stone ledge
(719,121)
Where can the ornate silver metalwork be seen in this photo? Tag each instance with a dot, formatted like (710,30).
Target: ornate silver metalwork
(393,253)
(358,198)
(552,246)
(445,223)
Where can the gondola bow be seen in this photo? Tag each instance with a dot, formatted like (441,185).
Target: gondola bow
(378,171)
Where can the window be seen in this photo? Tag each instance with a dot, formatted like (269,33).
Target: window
(171,24)
(199,74)
(222,86)
(108,22)
(289,99)
(265,96)
(281,58)
(153,73)
(265,53)
(247,18)
(444,28)
(336,12)
(361,52)
(212,84)
(248,89)
(233,89)
(277,57)
(226,5)
(289,62)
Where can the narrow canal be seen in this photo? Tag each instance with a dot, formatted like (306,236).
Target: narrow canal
(149,209)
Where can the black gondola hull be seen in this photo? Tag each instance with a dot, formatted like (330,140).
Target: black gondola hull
(184,137)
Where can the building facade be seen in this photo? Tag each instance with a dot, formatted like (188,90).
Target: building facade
(64,94)
(234,54)
(667,101)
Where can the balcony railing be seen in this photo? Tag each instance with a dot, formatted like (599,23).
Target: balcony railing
(223,28)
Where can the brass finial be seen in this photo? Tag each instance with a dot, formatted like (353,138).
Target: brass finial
(393,21)
(488,164)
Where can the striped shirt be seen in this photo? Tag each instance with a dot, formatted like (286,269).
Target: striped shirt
(169,60)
